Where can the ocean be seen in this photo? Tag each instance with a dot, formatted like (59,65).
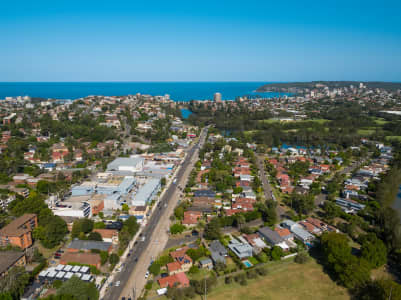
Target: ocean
(178,91)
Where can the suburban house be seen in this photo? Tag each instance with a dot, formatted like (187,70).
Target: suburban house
(92,259)
(191,217)
(19,232)
(272,237)
(218,252)
(177,280)
(299,233)
(240,249)
(182,262)
(9,259)
(255,241)
(206,263)
(108,235)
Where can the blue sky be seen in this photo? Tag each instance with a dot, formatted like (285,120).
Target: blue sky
(200,40)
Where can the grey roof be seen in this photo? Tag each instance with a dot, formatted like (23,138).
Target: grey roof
(124,161)
(205,261)
(8,258)
(89,245)
(216,257)
(301,233)
(204,193)
(240,249)
(146,190)
(288,223)
(270,236)
(216,246)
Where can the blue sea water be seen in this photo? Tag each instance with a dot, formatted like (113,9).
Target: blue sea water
(178,91)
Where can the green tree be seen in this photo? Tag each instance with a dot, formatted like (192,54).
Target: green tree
(113,259)
(177,228)
(212,230)
(104,256)
(373,250)
(51,231)
(276,253)
(125,208)
(95,236)
(14,282)
(154,268)
(79,289)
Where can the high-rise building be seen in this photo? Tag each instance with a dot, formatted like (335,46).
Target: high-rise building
(217,97)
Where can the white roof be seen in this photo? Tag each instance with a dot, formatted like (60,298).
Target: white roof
(161,291)
(86,277)
(60,267)
(76,269)
(67,268)
(52,274)
(60,274)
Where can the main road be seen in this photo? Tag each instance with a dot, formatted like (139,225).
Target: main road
(154,236)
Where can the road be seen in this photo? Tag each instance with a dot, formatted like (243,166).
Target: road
(266,185)
(132,277)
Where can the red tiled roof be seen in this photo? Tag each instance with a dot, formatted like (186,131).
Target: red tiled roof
(180,278)
(282,231)
(173,266)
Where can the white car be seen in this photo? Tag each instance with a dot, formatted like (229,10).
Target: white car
(117,283)
(147,275)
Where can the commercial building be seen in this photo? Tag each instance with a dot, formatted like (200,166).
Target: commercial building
(217,97)
(130,164)
(146,193)
(87,246)
(19,232)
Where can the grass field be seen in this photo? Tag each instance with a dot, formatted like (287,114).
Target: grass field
(285,280)
(366,132)
(320,121)
(380,121)
(393,138)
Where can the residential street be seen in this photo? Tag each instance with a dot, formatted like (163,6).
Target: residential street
(266,185)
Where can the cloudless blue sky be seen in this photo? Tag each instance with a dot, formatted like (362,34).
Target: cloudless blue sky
(205,40)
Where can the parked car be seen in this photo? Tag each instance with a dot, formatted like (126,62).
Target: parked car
(147,275)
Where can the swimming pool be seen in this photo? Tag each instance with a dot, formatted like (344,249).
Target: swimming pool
(247,263)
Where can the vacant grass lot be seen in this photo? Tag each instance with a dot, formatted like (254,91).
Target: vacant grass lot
(285,280)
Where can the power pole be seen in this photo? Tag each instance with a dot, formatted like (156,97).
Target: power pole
(205,288)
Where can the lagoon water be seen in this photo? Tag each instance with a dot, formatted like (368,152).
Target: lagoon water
(178,91)
(397,202)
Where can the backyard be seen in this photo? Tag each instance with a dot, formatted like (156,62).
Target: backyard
(285,280)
